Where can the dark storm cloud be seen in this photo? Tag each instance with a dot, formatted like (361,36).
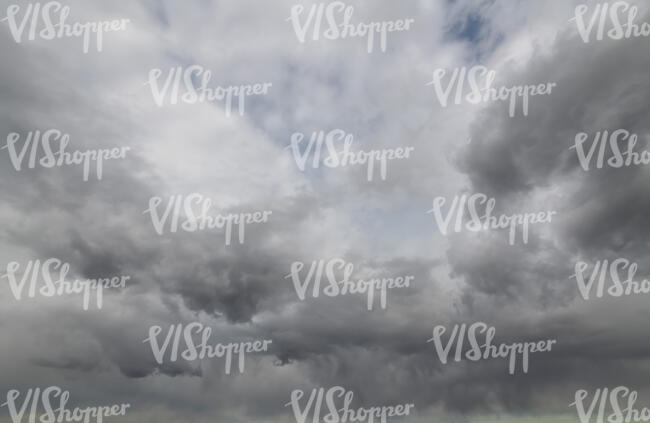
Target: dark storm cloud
(602,214)
(242,292)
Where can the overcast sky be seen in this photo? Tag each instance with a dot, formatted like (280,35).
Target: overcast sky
(243,163)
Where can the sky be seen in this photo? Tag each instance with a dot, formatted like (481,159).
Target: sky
(382,227)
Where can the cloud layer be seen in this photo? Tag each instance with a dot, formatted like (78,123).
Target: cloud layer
(244,163)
